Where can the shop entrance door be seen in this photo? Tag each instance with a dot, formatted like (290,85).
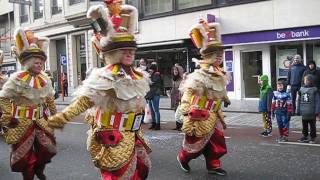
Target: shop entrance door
(251,70)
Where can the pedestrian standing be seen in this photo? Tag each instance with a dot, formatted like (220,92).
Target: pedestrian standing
(265,101)
(294,78)
(308,105)
(175,96)
(312,70)
(65,84)
(282,109)
(153,96)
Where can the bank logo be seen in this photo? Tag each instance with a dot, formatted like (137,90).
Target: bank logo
(292,34)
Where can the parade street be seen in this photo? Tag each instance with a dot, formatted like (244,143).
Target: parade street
(250,156)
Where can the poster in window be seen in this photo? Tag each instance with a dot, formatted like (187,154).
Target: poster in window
(285,57)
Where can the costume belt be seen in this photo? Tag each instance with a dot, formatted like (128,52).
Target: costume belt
(118,120)
(29,112)
(201,102)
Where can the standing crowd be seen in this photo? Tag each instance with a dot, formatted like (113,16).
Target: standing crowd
(297,96)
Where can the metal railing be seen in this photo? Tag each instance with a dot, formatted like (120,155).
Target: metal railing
(37,14)
(56,10)
(24,18)
(72,2)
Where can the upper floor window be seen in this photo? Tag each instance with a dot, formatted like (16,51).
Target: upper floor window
(184,4)
(24,13)
(231,2)
(72,2)
(152,7)
(38,9)
(56,6)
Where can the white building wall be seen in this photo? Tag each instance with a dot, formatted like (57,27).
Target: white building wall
(5,7)
(265,15)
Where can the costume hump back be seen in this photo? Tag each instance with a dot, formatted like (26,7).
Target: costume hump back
(115,96)
(203,93)
(26,101)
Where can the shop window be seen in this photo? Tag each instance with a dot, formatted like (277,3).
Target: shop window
(152,7)
(233,2)
(24,13)
(284,55)
(72,2)
(56,6)
(184,4)
(313,52)
(38,9)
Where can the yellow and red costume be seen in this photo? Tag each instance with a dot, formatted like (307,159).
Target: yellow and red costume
(26,101)
(203,91)
(114,96)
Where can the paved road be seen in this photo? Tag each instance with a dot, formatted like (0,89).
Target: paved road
(249,157)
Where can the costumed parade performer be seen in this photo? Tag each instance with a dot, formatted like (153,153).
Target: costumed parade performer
(203,93)
(26,101)
(115,96)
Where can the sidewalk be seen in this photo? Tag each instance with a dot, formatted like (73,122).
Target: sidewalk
(240,113)
(247,106)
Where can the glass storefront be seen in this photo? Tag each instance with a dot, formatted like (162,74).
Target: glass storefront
(81,58)
(165,59)
(281,55)
(252,69)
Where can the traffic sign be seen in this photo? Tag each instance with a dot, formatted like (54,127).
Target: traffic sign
(63,59)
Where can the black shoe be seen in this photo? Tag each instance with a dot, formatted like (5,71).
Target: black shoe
(266,134)
(152,126)
(39,174)
(312,140)
(157,127)
(219,172)
(178,126)
(303,139)
(184,166)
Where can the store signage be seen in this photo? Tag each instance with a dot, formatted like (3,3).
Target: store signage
(292,34)
(272,36)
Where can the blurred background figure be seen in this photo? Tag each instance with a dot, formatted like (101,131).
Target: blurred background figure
(153,96)
(142,66)
(65,84)
(175,96)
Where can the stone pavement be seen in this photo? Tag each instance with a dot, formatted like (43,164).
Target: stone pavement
(240,113)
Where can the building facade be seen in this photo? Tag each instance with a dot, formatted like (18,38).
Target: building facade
(259,36)
(6,36)
(64,22)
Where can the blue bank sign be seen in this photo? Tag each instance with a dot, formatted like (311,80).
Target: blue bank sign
(302,33)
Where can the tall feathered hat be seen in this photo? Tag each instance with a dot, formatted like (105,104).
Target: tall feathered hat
(113,26)
(206,36)
(1,57)
(28,45)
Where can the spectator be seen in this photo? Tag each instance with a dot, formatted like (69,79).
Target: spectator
(265,101)
(294,78)
(309,107)
(142,66)
(177,75)
(153,96)
(50,76)
(312,70)
(65,84)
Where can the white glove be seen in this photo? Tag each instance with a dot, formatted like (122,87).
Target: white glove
(288,89)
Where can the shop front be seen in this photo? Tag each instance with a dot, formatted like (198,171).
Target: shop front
(166,56)
(270,53)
